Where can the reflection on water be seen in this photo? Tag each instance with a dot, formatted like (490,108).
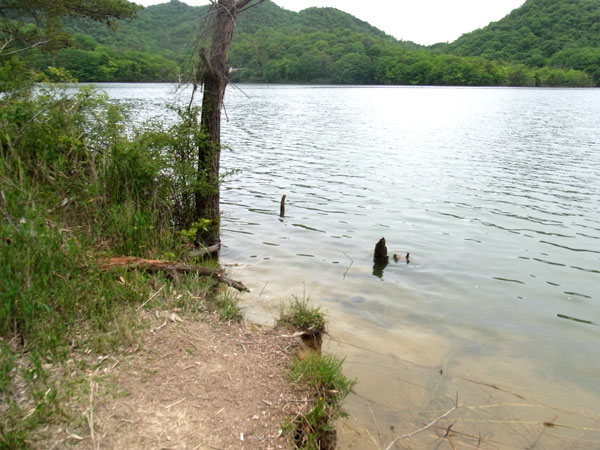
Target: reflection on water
(494,192)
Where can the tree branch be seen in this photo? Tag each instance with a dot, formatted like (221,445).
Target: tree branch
(199,252)
(243,5)
(5,45)
(37,44)
(429,425)
(152,265)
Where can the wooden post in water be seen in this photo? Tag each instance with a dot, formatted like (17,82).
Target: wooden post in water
(282,207)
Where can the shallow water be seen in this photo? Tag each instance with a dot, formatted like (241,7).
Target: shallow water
(494,192)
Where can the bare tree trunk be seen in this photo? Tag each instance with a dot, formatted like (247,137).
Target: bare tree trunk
(213,78)
(212,75)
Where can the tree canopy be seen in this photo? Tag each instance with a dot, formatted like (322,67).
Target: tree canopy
(555,33)
(543,43)
(33,23)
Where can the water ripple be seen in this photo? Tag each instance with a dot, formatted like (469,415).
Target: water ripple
(492,190)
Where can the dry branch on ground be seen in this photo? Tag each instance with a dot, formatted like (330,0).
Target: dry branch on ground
(157,265)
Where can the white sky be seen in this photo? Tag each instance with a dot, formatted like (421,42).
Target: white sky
(421,21)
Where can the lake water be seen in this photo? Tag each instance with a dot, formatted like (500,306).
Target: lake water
(496,195)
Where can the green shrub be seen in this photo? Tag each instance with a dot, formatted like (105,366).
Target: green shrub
(301,315)
(75,185)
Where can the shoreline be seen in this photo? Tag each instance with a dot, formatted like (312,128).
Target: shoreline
(187,379)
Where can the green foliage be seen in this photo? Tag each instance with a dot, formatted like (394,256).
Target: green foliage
(586,59)
(15,78)
(426,68)
(353,68)
(333,51)
(320,374)
(50,284)
(73,185)
(559,33)
(12,438)
(6,366)
(51,298)
(312,430)
(332,18)
(323,376)
(182,144)
(325,46)
(190,233)
(27,24)
(301,315)
(226,305)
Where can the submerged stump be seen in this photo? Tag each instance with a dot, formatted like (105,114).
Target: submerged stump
(380,255)
(380,258)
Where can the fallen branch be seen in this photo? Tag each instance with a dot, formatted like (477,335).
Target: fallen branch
(156,265)
(151,297)
(429,425)
(90,416)
(199,252)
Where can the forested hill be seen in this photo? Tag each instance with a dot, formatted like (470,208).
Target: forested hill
(316,45)
(557,33)
(172,28)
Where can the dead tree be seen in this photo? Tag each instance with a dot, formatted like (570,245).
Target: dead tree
(211,75)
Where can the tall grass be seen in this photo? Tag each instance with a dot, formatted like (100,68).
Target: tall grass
(73,186)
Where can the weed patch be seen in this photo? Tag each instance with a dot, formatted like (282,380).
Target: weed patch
(226,306)
(322,375)
(301,315)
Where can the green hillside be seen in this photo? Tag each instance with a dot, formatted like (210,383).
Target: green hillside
(556,33)
(332,18)
(326,45)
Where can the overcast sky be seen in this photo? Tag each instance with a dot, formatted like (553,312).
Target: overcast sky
(420,21)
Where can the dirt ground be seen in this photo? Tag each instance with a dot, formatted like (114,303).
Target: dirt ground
(192,384)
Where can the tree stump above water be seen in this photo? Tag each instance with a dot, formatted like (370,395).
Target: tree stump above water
(380,255)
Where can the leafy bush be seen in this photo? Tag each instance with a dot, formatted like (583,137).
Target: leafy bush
(74,186)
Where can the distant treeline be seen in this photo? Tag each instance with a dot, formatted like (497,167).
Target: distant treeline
(554,33)
(324,45)
(271,56)
(88,61)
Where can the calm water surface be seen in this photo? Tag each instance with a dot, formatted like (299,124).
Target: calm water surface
(494,192)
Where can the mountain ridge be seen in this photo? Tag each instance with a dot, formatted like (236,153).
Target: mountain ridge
(327,45)
(556,33)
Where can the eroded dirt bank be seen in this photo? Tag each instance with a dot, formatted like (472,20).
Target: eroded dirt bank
(191,384)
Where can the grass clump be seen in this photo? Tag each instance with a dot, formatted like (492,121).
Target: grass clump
(226,306)
(301,315)
(322,375)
